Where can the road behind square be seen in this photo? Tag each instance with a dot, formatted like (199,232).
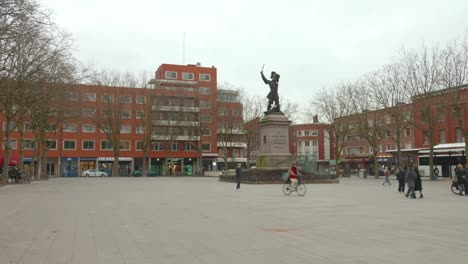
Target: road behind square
(202,220)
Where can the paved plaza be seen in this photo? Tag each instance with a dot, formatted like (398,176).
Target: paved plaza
(201,220)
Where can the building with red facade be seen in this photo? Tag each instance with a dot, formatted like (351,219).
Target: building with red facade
(182,116)
(312,141)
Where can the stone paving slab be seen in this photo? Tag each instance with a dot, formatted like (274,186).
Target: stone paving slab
(203,220)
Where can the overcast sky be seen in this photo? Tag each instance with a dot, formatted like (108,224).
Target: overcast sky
(310,43)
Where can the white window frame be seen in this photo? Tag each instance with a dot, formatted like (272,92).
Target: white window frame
(125,99)
(140,99)
(89,97)
(92,128)
(126,129)
(188,76)
(69,128)
(124,145)
(83,145)
(170,75)
(207,149)
(204,77)
(69,140)
(107,98)
(101,146)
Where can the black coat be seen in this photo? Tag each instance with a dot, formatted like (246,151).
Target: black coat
(417,182)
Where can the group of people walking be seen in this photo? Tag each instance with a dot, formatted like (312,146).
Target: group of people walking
(409,175)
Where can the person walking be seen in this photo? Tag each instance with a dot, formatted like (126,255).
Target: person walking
(401,180)
(410,179)
(459,176)
(417,182)
(387,175)
(238,176)
(465,174)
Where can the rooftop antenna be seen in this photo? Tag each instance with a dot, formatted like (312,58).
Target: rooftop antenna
(183,51)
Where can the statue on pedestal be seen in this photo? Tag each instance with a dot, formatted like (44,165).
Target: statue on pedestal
(273,94)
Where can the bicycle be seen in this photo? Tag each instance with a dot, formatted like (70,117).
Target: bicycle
(457,188)
(300,188)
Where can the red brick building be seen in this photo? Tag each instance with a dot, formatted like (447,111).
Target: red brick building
(179,112)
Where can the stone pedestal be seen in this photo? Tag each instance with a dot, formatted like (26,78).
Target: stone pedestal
(274,142)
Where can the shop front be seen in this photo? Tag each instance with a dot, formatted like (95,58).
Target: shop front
(125,165)
(69,167)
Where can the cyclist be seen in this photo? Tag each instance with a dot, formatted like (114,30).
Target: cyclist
(292,175)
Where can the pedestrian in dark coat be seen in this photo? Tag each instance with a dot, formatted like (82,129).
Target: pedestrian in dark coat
(238,176)
(410,179)
(401,180)
(417,182)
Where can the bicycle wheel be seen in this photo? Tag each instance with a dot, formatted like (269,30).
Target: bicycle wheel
(287,189)
(455,188)
(301,189)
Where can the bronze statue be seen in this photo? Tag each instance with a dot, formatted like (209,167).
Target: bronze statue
(273,94)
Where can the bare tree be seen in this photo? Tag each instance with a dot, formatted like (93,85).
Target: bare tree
(454,74)
(252,113)
(332,107)
(34,51)
(388,90)
(422,75)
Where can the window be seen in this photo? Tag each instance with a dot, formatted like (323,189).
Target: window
(106,113)
(187,76)
(314,132)
(222,112)
(89,97)
(52,144)
(206,147)
(459,135)
(204,77)
(126,129)
(205,90)
(389,147)
(125,99)
(89,112)
(206,132)
(299,133)
(28,127)
(124,145)
(307,143)
(51,127)
(125,114)
(69,128)
(306,133)
(442,136)
(156,146)
(140,99)
(140,115)
(205,104)
(106,145)
(426,140)
(68,112)
(235,112)
(140,130)
(13,144)
(107,98)
(355,150)
(314,143)
(189,146)
(222,126)
(29,144)
(388,119)
(407,131)
(12,126)
(88,128)
(175,146)
(88,144)
(170,75)
(71,96)
(139,145)
(69,144)
(206,118)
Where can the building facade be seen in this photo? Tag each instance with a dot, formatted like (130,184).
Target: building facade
(178,115)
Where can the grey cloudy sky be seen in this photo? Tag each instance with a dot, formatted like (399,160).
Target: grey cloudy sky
(310,43)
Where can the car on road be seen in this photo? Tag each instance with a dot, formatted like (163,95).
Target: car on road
(94,173)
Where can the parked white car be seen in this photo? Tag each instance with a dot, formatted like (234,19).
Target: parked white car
(93,173)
